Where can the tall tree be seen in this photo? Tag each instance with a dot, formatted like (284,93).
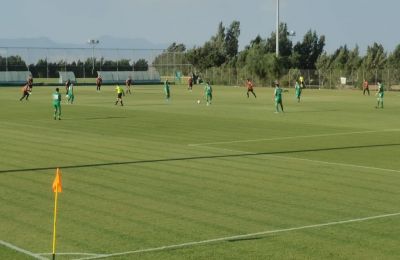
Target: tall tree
(176,47)
(375,57)
(309,50)
(232,39)
(141,65)
(285,44)
(393,60)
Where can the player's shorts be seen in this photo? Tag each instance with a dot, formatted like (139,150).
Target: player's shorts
(57,106)
(278,100)
(119,95)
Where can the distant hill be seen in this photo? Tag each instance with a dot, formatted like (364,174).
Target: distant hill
(105,42)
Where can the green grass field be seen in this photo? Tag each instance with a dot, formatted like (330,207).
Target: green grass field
(234,180)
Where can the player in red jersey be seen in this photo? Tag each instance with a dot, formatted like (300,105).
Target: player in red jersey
(128,83)
(190,82)
(99,81)
(250,88)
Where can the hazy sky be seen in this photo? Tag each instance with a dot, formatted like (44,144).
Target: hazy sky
(193,22)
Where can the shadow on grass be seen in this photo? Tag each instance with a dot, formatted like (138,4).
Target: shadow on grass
(250,154)
(244,239)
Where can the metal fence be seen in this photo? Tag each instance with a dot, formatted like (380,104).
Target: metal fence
(85,62)
(45,63)
(328,79)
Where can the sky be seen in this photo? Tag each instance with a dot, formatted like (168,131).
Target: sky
(193,22)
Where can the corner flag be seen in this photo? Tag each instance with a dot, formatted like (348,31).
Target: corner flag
(57,187)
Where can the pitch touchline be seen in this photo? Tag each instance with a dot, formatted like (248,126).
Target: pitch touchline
(293,137)
(241,236)
(26,252)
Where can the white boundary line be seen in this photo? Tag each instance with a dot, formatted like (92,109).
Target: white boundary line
(21,250)
(335,163)
(307,160)
(293,137)
(238,237)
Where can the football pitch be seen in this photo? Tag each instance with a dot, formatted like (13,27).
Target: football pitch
(180,180)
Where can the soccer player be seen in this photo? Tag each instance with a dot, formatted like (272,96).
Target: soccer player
(67,84)
(298,89)
(70,94)
(57,104)
(250,87)
(380,93)
(30,83)
(190,82)
(167,90)
(99,81)
(26,91)
(302,84)
(208,93)
(128,83)
(365,87)
(278,97)
(120,93)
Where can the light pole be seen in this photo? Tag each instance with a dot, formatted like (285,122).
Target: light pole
(277,29)
(93,43)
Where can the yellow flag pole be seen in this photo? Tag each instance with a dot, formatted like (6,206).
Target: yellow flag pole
(55,223)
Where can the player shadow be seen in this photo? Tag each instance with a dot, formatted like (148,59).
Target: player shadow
(102,118)
(249,154)
(314,111)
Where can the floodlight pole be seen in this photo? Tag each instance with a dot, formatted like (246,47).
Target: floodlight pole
(93,43)
(277,29)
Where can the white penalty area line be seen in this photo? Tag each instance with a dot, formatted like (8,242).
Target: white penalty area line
(239,237)
(308,160)
(294,137)
(21,250)
(336,163)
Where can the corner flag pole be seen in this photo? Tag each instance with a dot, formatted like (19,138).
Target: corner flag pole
(56,189)
(54,226)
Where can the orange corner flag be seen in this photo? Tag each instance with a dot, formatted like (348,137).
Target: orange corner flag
(57,187)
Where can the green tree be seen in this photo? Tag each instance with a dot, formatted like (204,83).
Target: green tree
(285,44)
(232,40)
(141,65)
(263,64)
(176,47)
(308,51)
(393,60)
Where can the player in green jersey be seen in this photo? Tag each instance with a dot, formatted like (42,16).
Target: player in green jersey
(57,104)
(167,90)
(278,97)
(380,93)
(208,93)
(298,89)
(70,95)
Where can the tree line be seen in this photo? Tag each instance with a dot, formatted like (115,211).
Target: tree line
(81,69)
(222,51)
(258,57)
